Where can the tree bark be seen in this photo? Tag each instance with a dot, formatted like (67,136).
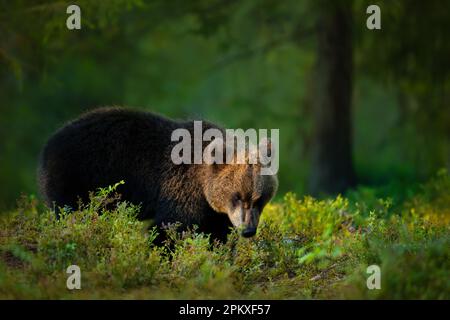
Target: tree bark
(332,166)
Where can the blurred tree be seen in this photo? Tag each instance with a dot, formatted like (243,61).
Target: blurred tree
(411,53)
(332,165)
(287,64)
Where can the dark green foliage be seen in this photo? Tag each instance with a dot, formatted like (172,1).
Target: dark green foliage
(239,64)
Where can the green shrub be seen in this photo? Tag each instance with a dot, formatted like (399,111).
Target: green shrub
(304,248)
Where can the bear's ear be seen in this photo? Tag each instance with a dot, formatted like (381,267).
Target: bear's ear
(266,145)
(265,150)
(214,152)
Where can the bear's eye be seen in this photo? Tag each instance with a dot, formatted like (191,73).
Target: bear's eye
(235,199)
(259,203)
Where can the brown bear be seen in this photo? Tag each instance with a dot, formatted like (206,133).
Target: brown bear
(108,145)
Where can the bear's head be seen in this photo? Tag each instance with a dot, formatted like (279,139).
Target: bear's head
(237,188)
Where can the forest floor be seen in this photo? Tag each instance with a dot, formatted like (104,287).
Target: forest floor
(304,249)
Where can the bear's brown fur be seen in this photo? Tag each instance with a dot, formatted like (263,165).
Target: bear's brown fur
(107,145)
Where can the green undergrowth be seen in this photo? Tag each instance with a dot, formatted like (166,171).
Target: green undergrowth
(304,249)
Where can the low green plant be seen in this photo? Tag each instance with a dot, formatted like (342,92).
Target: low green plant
(304,249)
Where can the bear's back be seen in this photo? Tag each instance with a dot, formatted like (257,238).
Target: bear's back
(101,148)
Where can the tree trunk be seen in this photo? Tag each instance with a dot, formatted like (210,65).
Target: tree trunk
(332,167)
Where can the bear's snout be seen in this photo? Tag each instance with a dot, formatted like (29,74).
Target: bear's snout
(248,232)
